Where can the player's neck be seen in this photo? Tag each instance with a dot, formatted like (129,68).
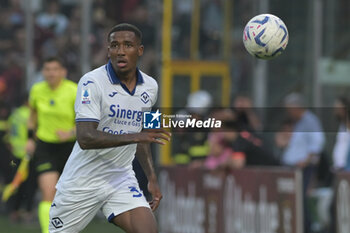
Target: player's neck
(54,86)
(128,79)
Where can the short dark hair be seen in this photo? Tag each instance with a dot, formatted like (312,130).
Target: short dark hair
(125,27)
(53,59)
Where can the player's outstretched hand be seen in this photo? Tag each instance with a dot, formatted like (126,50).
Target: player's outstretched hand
(154,190)
(154,135)
(30,147)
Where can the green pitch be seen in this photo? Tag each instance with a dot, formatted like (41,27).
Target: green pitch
(93,227)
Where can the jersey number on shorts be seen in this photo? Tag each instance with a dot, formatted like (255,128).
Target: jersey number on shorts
(133,189)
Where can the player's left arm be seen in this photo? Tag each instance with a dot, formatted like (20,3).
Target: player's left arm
(65,135)
(315,146)
(144,157)
(32,127)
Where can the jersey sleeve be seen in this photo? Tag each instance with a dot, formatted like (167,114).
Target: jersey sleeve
(87,102)
(154,94)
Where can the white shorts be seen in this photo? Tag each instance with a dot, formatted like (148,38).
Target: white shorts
(71,212)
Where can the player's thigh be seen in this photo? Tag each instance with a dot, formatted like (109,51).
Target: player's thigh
(72,212)
(138,220)
(44,158)
(47,182)
(127,203)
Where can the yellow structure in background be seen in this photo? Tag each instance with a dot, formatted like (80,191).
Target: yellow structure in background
(193,68)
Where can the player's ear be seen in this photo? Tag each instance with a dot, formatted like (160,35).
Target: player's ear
(140,50)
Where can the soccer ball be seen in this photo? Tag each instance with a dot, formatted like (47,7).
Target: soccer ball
(265,36)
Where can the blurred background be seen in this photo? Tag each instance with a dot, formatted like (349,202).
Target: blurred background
(193,47)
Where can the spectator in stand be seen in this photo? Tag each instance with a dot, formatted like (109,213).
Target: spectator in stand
(246,115)
(282,137)
(305,145)
(16,14)
(100,21)
(182,28)
(341,147)
(307,139)
(67,6)
(140,18)
(347,158)
(13,77)
(255,150)
(6,32)
(190,145)
(53,19)
(221,154)
(234,148)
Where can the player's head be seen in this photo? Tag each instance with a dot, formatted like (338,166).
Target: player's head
(124,47)
(53,71)
(295,105)
(340,108)
(125,27)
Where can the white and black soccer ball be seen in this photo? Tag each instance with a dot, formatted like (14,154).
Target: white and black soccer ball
(265,36)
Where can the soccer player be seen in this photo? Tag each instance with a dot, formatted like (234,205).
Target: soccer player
(98,174)
(52,119)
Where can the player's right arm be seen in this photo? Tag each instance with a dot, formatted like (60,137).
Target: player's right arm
(33,119)
(32,125)
(89,137)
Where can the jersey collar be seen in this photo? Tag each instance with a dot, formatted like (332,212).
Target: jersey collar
(113,78)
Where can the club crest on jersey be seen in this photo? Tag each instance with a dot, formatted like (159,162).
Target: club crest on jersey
(145,97)
(85,96)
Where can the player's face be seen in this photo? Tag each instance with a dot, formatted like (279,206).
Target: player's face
(124,51)
(295,112)
(53,73)
(340,110)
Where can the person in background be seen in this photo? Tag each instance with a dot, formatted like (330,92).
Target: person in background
(221,154)
(191,145)
(282,137)
(307,139)
(25,185)
(305,145)
(52,19)
(341,146)
(51,130)
(6,171)
(246,115)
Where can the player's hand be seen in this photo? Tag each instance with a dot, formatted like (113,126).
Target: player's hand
(154,135)
(154,190)
(64,135)
(30,147)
